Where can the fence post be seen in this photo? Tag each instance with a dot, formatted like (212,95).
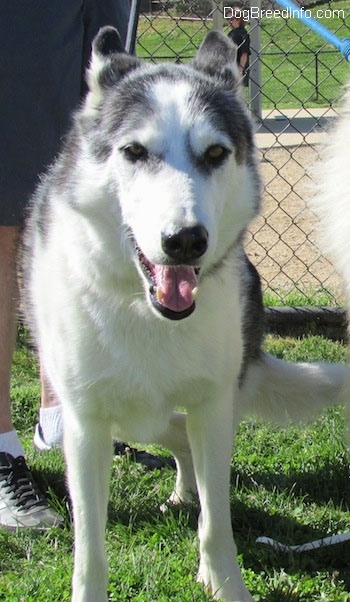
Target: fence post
(255,60)
(132,26)
(218,12)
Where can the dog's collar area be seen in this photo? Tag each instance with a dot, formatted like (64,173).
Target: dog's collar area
(173,288)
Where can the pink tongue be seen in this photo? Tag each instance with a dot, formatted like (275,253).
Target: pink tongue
(175,286)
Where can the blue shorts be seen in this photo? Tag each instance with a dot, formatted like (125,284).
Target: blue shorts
(45,48)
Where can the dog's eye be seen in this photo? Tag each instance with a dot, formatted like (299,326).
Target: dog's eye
(216,154)
(135,151)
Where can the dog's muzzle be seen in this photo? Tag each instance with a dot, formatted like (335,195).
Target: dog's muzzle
(174,286)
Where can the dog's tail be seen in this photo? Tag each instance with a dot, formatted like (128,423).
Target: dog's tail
(280,391)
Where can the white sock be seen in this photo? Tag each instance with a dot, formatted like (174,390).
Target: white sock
(50,420)
(10,443)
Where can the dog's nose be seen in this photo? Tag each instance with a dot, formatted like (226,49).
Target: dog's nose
(186,244)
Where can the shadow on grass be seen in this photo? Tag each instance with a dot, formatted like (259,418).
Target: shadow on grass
(319,485)
(137,494)
(250,523)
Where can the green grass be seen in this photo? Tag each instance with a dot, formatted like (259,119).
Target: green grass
(288,55)
(291,484)
(315,297)
(308,349)
(289,81)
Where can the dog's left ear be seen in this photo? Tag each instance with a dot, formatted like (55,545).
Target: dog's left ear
(109,64)
(217,57)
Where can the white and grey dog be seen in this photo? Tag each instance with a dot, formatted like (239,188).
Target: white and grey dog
(141,298)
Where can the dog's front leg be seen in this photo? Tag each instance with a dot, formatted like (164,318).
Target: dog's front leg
(88,451)
(210,430)
(175,439)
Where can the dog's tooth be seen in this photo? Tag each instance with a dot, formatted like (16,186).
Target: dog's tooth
(159,294)
(194,293)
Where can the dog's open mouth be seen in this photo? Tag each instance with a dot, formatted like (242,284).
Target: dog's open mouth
(173,289)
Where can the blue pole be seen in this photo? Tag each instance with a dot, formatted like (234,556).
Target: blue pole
(295,11)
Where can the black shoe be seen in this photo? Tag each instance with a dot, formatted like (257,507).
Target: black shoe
(142,457)
(22,505)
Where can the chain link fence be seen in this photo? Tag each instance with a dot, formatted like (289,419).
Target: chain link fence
(295,80)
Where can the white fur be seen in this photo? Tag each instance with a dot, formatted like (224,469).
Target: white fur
(331,200)
(118,366)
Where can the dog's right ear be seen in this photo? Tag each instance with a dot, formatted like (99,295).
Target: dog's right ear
(109,64)
(216,57)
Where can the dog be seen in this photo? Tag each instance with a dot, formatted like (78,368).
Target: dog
(142,300)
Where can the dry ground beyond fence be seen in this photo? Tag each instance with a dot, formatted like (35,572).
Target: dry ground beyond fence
(285,240)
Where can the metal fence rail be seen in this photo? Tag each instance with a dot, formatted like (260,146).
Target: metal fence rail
(295,83)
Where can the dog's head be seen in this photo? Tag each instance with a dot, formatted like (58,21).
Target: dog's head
(177,143)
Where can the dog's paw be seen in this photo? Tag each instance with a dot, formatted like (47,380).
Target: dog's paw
(226,589)
(175,501)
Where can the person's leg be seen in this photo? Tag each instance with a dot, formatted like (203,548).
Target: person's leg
(9,441)
(22,505)
(40,82)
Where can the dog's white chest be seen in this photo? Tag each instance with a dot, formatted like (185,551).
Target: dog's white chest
(135,371)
